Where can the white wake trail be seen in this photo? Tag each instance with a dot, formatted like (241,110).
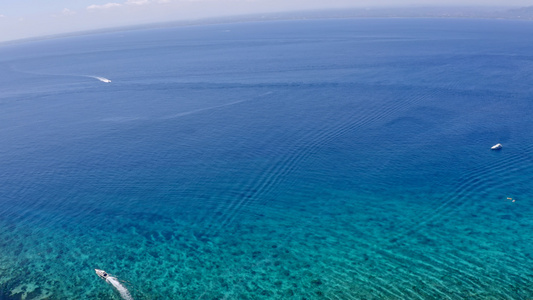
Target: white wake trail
(102,79)
(15,69)
(120,288)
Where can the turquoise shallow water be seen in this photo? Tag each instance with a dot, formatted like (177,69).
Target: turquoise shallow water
(283,160)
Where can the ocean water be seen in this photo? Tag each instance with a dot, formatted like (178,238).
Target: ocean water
(317,159)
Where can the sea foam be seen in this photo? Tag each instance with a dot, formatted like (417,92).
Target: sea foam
(102,79)
(124,293)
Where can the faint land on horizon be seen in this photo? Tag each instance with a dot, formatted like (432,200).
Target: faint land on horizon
(474,12)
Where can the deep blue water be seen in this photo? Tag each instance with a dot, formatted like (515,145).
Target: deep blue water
(319,159)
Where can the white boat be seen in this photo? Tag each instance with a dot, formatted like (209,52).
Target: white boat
(124,293)
(496,147)
(101,273)
(102,79)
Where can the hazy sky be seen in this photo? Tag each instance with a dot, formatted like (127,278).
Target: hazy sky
(30,18)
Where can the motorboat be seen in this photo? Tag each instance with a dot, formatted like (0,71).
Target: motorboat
(496,147)
(124,293)
(101,273)
(102,79)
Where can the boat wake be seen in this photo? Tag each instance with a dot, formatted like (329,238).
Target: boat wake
(102,79)
(124,293)
(120,288)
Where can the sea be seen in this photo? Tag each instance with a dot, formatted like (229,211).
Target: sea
(296,159)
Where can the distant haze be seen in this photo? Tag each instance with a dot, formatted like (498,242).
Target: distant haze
(32,18)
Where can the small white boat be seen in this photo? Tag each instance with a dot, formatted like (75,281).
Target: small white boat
(124,293)
(101,273)
(496,147)
(102,79)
